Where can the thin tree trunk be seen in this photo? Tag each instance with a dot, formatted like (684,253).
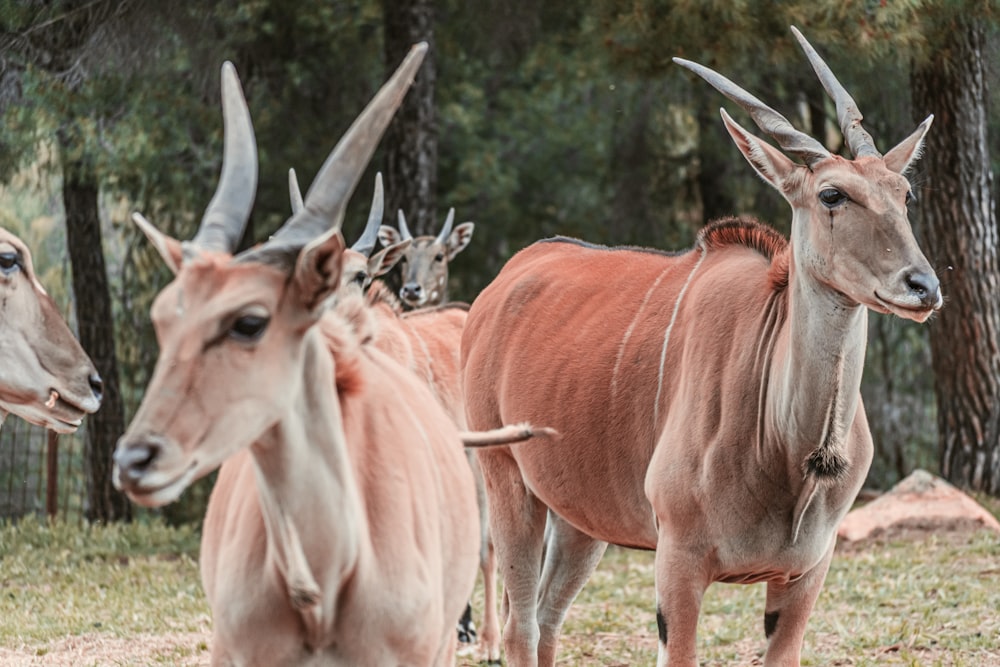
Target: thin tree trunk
(93,313)
(411,154)
(960,232)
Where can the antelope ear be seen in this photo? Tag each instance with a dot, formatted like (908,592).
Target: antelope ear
(168,247)
(460,238)
(318,269)
(771,164)
(382,261)
(388,236)
(908,150)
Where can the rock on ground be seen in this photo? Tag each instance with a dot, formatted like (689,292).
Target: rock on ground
(922,501)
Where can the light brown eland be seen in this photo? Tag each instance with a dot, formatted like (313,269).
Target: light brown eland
(708,401)
(360,265)
(427,341)
(424,265)
(338,531)
(45,376)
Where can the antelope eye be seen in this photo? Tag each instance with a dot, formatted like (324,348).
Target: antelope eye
(360,278)
(831,197)
(910,198)
(9,262)
(439,257)
(248,328)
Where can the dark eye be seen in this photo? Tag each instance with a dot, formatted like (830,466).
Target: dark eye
(360,278)
(9,262)
(832,197)
(248,328)
(911,198)
(439,257)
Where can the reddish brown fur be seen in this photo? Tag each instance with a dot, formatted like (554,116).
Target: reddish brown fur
(751,233)
(708,401)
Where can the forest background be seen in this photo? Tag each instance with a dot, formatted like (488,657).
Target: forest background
(530,118)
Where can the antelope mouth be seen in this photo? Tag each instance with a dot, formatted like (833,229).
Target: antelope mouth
(908,309)
(156,492)
(64,415)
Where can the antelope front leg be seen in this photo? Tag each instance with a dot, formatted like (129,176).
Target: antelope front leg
(680,586)
(517,523)
(787,611)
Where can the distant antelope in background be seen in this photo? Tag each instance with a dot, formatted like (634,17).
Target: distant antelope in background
(426,341)
(45,376)
(709,401)
(360,265)
(424,266)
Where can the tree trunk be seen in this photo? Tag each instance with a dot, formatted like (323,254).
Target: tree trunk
(96,326)
(960,232)
(411,153)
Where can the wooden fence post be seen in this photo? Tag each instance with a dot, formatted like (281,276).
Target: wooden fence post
(52,475)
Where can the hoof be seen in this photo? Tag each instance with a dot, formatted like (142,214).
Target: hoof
(467,635)
(466,628)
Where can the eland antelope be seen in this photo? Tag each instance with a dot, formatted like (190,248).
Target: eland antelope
(360,265)
(427,341)
(708,401)
(45,376)
(338,531)
(424,265)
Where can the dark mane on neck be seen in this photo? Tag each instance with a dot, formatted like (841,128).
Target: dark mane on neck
(750,233)
(744,231)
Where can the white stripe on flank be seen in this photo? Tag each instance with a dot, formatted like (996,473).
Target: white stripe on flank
(631,327)
(666,339)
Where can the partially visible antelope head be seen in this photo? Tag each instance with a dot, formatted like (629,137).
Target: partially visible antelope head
(238,335)
(360,265)
(45,376)
(850,230)
(425,265)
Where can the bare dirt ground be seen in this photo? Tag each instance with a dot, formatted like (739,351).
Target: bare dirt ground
(100,650)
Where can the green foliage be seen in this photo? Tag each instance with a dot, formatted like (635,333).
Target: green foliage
(554,118)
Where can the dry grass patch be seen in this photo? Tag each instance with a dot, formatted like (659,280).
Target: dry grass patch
(131,596)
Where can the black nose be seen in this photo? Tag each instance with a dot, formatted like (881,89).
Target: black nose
(96,385)
(926,287)
(134,459)
(411,290)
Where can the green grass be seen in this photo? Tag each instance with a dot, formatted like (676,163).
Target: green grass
(131,595)
(59,580)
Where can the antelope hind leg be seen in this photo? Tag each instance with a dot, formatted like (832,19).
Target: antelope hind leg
(517,522)
(570,559)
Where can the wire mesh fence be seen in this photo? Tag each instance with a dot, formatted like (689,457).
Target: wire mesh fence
(41,472)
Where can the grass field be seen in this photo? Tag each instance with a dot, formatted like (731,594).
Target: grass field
(131,595)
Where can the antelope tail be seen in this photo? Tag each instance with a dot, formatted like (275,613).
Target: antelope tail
(506,435)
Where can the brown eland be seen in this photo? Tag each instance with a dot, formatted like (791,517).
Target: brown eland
(45,376)
(360,265)
(338,530)
(708,401)
(427,341)
(424,265)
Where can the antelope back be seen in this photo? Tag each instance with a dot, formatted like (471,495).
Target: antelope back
(424,265)
(45,376)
